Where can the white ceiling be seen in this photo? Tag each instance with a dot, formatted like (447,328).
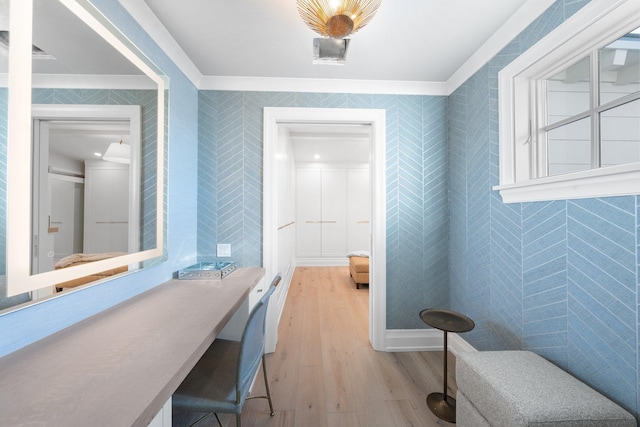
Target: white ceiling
(407,40)
(80,140)
(330,143)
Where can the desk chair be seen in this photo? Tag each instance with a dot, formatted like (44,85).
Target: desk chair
(221,379)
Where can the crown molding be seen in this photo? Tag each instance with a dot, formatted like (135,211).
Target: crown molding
(281,84)
(520,20)
(94,81)
(149,22)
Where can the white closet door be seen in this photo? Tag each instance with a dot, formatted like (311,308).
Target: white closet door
(308,212)
(333,212)
(106,209)
(358,210)
(66,216)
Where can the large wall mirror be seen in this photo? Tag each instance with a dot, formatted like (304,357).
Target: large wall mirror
(84,138)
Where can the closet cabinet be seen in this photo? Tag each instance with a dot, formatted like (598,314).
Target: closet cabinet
(332,214)
(106,209)
(320,212)
(358,210)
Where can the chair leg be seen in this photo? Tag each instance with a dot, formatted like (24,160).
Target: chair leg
(266,385)
(238,416)
(205,416)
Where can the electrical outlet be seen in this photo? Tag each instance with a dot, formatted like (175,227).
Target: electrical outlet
(223,250)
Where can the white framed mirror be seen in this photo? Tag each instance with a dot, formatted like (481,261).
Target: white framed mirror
(143,223)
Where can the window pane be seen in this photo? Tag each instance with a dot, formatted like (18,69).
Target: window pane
(620,134)
(568,92)
(620,68)
(569,147)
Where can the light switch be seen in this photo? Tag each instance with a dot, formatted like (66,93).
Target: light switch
(223,250)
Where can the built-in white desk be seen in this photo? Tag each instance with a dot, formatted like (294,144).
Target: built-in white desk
(119,367)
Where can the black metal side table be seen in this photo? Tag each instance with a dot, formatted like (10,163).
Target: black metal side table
(441,404)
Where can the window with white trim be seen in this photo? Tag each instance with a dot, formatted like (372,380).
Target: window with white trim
(570,109)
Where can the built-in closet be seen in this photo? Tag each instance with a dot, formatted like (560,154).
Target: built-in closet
(332,213)
(106,211)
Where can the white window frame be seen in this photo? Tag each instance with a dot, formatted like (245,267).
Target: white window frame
(594,26)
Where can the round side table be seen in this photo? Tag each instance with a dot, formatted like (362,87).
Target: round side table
(441,404)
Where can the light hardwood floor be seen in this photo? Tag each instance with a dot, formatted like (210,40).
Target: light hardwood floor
(324,371)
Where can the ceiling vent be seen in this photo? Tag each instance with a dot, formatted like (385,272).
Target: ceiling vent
(330,51)
(36,52)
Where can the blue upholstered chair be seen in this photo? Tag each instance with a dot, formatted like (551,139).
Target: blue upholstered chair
(221,379)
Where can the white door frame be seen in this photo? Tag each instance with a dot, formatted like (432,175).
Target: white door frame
(274,116)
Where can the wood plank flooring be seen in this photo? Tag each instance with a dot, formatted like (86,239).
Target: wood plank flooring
(324,372)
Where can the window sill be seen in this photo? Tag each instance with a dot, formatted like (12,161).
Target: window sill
(623,180)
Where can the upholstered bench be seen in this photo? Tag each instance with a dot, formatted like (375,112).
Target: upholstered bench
(520,388)
(359,270)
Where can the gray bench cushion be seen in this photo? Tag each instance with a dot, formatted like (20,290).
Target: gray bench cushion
(520,388)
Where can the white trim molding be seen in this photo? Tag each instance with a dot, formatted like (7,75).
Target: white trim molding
(520,20)
(276,116)
(143,15)
(400,340)
(278,84)
(323,262)
(593,26)
(622,180)
(94,81)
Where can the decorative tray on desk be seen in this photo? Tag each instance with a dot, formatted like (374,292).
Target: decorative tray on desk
(207,270)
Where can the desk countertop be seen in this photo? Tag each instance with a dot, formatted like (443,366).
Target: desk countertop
(119,367)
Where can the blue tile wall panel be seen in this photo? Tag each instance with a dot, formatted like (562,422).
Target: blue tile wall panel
(563,276)
(410,219)
(435,202)
(390,104)
(544,277)
(230,187)
(602,270)
(207,178)
(229,169)
(457,197)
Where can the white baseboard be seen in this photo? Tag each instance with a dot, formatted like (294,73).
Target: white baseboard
(322,262)
(398,340)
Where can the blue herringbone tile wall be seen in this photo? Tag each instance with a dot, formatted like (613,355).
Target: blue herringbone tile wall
(559,278)
(230,187)
(601,293)
(207,180)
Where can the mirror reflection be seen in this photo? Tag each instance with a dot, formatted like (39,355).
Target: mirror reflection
(94,153)
(85,170)
(4,102)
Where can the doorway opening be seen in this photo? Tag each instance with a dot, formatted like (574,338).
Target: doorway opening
(278,226)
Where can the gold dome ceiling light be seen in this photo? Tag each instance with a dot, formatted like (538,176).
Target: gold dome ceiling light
(337,18)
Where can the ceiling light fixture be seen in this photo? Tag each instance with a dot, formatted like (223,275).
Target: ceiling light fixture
(118,152)
(337,19)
